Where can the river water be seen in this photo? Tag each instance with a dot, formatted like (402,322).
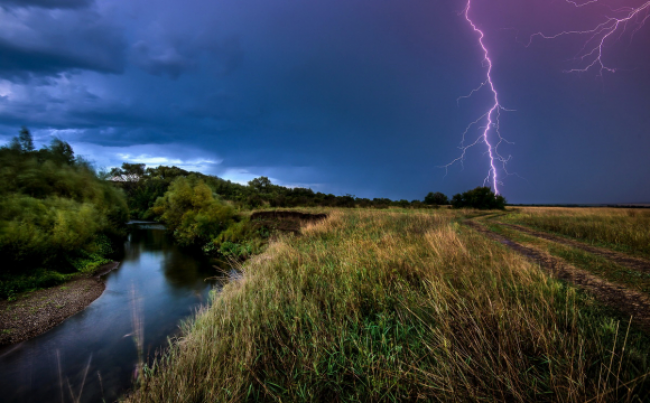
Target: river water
(156,286)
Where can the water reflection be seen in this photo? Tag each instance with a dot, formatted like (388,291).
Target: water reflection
(161,282)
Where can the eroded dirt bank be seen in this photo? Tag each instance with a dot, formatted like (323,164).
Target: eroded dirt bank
(37,312)
(285,221)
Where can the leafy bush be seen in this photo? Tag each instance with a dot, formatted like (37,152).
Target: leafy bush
(192,212)
(56,214)
(480,198)
(436,199)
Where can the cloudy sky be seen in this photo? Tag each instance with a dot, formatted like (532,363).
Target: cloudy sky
(343,96)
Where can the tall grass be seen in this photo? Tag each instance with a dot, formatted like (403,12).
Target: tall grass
(383,306)
(600,266)
(627,230)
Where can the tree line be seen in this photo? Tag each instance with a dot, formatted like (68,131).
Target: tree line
(58,216)
(144,185)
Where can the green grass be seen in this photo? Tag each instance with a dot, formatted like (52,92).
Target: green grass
(598,265)
(383,306)
(624,230)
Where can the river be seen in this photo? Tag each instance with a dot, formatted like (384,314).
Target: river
(155,287)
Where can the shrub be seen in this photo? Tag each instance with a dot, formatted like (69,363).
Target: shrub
(436,199)
(56,214)
(192,212)
(480,198)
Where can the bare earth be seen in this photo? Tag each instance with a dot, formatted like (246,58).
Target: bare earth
(37,312)
(630,302)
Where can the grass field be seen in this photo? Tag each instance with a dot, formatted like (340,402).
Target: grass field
(626,230)
(387,305)
(598,265)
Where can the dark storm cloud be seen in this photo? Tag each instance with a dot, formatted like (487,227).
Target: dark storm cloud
(44,43)
(46,3)
(351,96)
(26,61)
(173,59)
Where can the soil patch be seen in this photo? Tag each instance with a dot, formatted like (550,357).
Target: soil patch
(37,312)
(616,257)
(629,302)
(285,221)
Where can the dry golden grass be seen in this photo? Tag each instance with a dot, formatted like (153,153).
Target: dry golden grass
(398,306)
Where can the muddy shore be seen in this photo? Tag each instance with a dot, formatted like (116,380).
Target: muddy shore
(36,312)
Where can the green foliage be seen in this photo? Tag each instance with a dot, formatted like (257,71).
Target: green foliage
(143,186)
(260,184)
(55,213)
(24,141)
(480,198)
(436,199)
(192,212)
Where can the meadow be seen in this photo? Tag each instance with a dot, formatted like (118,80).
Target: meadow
(400,305)
(626,230)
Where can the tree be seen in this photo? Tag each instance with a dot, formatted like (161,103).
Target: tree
(61,151)
(436,199)
(25,139)
(192,212)
(403,203)
(480,198)
(261,184)
(23,142)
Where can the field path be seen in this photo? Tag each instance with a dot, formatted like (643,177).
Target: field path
(622,259)
(629,302)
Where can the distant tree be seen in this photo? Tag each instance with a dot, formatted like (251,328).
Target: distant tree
(403,203)
(61,151)
(23,142)
(363,202)
(417,204)
(480,198)
(261,184)
(381,202)
(164,172)
(436,199)
(345,201)
(25,139)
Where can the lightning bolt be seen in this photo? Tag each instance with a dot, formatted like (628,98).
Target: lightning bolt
(592,53)
(490,133)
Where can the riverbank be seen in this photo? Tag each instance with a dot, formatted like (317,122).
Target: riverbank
(36,312)
(371,305)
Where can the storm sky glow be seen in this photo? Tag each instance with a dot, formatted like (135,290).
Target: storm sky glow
(344,96)
(597,38)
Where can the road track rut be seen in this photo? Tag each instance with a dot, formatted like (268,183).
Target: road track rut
(629,302)
(622,259)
